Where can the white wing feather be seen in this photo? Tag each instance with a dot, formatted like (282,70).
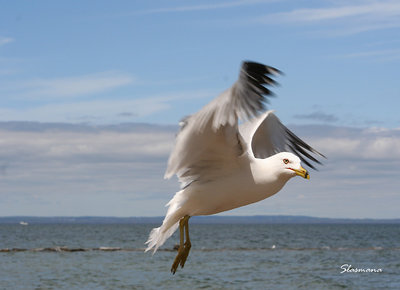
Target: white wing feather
(265,136)
(209,143)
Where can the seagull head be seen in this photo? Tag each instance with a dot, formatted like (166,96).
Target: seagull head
(290,165)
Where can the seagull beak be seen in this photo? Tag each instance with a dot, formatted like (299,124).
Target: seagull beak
(301,172)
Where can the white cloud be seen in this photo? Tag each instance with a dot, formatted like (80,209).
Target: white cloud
(59,165)
(381,55)
(67,145)
(379,9)
(99,111)
(7,72)
(367,144)
(6,40)
(318,116)
(54,166)
(76,86)
(204,6)
(374,9)
(356,18)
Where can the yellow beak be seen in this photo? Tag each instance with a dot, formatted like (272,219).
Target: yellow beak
(301,172)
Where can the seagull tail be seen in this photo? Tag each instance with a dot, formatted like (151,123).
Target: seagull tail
(159,235)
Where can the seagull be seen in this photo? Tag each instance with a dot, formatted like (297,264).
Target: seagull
(230,154)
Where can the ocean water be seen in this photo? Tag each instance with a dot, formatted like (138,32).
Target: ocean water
(223,256)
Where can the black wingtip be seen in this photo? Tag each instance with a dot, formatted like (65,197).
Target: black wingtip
(259,76)
(260,68)
(303,150)
(254,83)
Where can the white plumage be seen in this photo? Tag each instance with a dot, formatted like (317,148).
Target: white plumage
(222,165)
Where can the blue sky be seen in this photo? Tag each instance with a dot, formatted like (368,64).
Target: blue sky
(95,64)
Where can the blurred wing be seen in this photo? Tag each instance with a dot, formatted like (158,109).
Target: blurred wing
(266,136)
(208,143)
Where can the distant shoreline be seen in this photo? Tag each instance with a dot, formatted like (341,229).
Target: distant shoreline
(258,219)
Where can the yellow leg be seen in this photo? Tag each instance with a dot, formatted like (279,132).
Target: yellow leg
(184,246)
(187,244)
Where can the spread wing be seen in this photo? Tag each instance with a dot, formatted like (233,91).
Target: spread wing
(266,136)
(209,143)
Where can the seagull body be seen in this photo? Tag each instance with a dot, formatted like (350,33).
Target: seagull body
(227,192)
(223,165)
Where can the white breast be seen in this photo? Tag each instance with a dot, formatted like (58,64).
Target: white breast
(251,183)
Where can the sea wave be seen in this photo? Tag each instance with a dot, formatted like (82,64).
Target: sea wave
(118,249)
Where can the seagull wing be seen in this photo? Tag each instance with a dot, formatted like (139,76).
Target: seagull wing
(209,142)
(266,136)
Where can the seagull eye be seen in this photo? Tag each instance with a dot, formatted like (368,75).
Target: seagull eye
(286,161)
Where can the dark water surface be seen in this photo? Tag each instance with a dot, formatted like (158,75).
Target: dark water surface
(222,257)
